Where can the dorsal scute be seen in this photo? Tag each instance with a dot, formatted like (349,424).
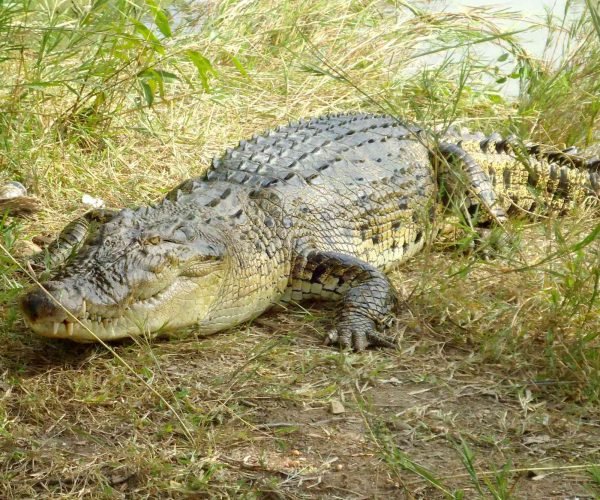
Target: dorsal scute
(310,149)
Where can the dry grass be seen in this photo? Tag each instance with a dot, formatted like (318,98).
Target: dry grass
(494,390)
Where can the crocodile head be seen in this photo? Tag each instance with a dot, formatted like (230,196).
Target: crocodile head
(142,272)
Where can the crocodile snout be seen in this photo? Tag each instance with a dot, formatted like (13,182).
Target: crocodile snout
(40,305)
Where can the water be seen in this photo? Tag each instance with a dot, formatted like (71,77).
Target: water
(531,12)
(514,15)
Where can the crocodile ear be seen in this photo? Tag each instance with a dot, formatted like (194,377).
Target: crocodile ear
(206,257)
(215,251)
(205,249)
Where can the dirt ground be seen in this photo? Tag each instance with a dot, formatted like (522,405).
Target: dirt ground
(271,413)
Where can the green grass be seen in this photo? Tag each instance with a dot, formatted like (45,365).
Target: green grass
(499,359)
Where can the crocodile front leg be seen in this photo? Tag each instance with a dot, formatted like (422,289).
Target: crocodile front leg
(367,296)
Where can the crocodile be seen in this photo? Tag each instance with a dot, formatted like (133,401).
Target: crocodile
(321,208)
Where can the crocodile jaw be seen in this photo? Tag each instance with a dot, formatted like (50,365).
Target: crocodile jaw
(184,303)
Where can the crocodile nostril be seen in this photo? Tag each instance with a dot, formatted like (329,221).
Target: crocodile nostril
(50,304)
(38,304)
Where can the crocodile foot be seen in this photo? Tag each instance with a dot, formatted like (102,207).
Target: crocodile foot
(357,334)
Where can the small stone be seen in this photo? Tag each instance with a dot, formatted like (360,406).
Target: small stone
(336,407)
(14,200)
(92,202)
(11,190)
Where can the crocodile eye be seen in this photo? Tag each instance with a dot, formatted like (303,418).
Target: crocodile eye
(153,240)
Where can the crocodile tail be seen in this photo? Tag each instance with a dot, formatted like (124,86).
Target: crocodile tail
(571,157)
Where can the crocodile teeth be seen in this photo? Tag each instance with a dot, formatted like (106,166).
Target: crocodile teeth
(55,328)
(69,328)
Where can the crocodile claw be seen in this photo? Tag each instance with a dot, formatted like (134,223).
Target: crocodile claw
(357,336)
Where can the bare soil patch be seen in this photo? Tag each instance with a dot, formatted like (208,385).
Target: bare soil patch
(257,404)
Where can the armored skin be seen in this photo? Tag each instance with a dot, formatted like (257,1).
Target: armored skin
(316,209)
